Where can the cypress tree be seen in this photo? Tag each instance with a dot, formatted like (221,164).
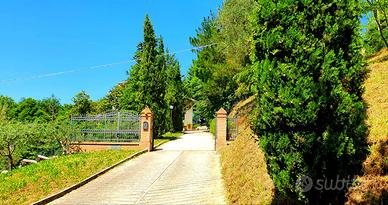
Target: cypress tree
(146,83)
(175,93)
(309,74)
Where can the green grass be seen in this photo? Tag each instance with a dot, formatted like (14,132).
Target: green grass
(212,126)
(168,137)
(31,183)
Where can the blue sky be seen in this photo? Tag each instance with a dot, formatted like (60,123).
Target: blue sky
(45,36)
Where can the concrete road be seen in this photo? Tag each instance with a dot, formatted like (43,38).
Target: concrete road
(184,171)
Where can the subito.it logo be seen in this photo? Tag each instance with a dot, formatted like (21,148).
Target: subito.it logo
(304,183)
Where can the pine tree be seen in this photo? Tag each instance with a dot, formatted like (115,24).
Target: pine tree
(309,74)
(210,79)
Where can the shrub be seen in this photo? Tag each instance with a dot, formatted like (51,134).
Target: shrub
(27,140)
(309,110)
(12,138)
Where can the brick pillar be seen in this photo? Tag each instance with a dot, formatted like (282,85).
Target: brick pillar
(146,123)
(221,123)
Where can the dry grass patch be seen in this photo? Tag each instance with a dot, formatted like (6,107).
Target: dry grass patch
(244,166)
(373,186)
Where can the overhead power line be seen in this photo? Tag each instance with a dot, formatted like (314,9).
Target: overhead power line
(46,75)
(103,66)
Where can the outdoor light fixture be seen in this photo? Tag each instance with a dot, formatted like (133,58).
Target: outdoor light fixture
(171,107)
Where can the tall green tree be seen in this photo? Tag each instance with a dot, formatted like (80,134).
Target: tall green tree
(234,39)
(82,104)
(207,81)
(51,106)
(175,93)
(220,76)
(146,83)
(112,100)
(309,111)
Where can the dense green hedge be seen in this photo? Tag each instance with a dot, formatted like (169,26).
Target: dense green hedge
(309,110)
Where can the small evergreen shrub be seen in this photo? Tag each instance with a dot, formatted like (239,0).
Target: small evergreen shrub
(309,111)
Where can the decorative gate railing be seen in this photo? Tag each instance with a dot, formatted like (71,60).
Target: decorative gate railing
(121,126)
(232,129)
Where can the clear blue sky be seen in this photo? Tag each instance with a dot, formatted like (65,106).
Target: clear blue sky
(45,36)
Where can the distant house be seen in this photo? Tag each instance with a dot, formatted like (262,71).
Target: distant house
(189,112)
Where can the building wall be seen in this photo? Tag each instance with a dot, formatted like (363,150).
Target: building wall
(188,121)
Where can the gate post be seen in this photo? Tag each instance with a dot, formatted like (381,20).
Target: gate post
(146,124)
(221,126)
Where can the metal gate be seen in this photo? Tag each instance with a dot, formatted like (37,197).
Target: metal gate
(232,129)
(121,126)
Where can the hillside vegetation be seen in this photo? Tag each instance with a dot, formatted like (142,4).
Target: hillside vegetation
(244,167)
(373,187)
(34,182)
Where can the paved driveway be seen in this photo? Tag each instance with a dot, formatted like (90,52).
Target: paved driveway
(184,171)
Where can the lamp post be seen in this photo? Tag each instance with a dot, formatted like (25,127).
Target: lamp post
(171,108)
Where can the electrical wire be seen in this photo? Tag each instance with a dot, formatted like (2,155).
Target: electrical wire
(103,66)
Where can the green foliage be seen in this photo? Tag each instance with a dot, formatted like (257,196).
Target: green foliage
(234,36)
(26,140)
(372,39)
(233,40)
(82,103)
(51,106)
(154,81)
(30,110)
(214,79)
(59,134)
(212,126)
(146,83)
(7,104)
(376,35)
(209,80)
(112,100)
(175,93)
(34,140)
(12,138)
(65,112)
(34,182)
(309,112)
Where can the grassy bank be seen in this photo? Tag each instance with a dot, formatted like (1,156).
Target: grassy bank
(244,167)
(31,183)
(374,184)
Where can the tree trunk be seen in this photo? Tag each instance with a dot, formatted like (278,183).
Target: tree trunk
(10,162)
(383,11)
(379,27)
